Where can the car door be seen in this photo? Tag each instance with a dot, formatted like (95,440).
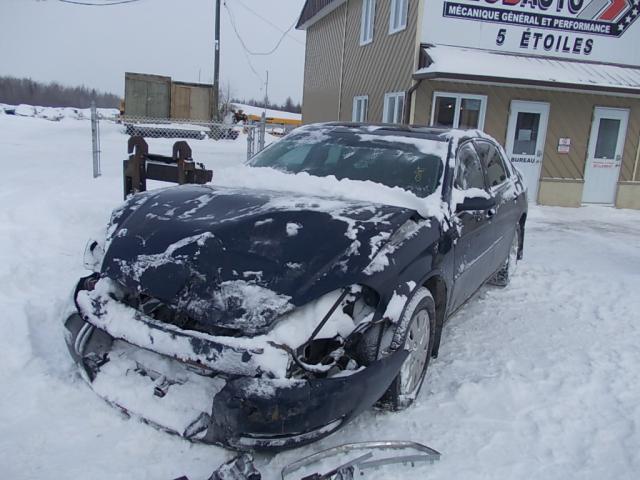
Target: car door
(501,186)
(473,249)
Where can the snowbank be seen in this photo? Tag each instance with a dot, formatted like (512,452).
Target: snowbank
(57,113)
(252,110)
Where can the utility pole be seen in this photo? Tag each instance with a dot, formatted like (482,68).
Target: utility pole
(266,91)
(215,114)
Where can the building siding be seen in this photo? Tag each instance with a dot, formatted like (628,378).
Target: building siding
(321,95)
(570,115)
(384,65)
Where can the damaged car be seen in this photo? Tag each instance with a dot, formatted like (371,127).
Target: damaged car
(267,318)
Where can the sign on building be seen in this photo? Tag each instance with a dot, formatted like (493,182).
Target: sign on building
(596,30)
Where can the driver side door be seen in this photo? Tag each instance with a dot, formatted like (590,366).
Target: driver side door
(473,248)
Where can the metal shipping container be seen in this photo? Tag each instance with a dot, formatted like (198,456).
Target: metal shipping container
(191,101)
(147,95)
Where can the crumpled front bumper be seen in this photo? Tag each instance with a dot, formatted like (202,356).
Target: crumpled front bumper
(242,412)
(250,413)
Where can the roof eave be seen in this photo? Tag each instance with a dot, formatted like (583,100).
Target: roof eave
(524,82)
(319,15)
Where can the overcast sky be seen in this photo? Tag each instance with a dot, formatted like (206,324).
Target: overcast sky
(48,40)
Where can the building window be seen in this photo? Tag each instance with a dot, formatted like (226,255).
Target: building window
(368,16)
(360,108)
(398,15)
(455,110)
(393,107)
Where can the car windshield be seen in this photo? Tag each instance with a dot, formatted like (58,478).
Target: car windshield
(392,159)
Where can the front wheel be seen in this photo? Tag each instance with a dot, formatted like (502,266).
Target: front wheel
(503,276)
(415,333)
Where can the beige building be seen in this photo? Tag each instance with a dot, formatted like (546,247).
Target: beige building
(557,83)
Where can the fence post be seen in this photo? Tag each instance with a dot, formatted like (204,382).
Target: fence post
(250,140)
(263,125)
(95,140)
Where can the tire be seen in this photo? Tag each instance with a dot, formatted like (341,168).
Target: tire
(415,332)
(503,276)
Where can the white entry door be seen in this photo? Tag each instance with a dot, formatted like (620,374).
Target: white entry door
(604,155)
(526,135)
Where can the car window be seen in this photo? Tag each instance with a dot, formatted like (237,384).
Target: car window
(409,162)
(293,159)
(469,172)
(490,156)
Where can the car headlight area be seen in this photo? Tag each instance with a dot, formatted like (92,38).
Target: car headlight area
(302,380)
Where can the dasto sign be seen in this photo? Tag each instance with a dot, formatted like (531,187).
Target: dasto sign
(602,30)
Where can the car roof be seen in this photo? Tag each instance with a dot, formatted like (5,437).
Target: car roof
(438,134)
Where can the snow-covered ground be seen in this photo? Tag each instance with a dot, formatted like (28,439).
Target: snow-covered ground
(537,380)
(55,114)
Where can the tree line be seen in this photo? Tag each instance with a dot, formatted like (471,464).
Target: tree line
(287,106)
(14,91)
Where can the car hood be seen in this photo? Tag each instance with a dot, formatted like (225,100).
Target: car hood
(238,259)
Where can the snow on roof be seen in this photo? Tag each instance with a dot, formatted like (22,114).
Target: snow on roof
(251,110)
(471,62)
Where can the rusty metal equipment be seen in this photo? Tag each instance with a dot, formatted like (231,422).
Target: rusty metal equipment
(178,168)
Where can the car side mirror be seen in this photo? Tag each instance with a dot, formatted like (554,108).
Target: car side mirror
(476,203)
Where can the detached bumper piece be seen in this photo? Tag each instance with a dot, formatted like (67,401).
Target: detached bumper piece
(202,404)
(356,460)
(238,468)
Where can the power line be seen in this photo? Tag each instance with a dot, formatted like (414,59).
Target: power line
(244,49)
(244,45)
(267,21)
(85,4)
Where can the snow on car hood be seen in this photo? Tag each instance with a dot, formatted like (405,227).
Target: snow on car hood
(238,258)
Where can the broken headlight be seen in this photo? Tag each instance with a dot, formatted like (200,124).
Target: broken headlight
(324,356)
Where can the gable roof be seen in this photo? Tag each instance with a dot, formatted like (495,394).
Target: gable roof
(314,10)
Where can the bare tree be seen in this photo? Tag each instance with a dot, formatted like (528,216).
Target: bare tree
(15,91)
(226,97)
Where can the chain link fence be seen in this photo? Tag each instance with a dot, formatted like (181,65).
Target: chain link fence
(255,139)
(147,127)
(258,135)
(181,129)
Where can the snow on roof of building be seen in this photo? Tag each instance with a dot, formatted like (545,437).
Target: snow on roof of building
(251,110)
(483,65)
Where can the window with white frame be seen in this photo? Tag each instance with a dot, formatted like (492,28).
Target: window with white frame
(398,15)
(368,17)
(360,108)
(457,110)
(393,107)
